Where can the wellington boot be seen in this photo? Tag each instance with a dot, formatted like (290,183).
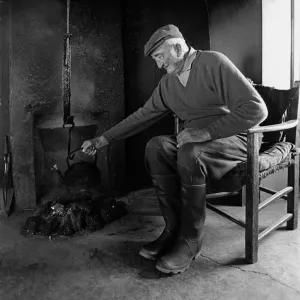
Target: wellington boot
(188,245)
(180,257)
(167,189)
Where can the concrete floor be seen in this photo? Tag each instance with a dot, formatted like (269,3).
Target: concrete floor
(105,264)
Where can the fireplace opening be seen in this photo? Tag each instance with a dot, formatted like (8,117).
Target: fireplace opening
(78,204)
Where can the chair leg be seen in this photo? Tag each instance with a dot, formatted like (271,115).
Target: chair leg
(252,195)
(251,234)
(292,200)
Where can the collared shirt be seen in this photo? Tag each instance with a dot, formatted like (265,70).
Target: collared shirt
(183,76)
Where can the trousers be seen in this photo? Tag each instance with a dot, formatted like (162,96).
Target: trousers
(195,163)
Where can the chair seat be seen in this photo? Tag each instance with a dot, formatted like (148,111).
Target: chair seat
(272,158)
(273,154)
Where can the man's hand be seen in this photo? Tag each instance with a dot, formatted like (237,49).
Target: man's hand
(90,146)
(192,135)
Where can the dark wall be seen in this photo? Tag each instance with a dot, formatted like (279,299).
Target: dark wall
(38,28)
(236,31)
(141,75)
(4,79)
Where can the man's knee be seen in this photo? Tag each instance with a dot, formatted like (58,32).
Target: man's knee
(155,143)
(187,155)
(158,144)
(160,155)
(152,148)
(189,165)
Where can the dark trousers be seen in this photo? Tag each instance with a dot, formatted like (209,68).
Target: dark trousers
(195,163)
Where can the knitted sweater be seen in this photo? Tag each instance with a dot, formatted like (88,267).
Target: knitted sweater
(217,98)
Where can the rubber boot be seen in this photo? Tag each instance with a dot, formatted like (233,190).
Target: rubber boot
(167,189)
(188,245)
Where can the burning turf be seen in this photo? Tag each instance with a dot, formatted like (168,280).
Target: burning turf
(72,214)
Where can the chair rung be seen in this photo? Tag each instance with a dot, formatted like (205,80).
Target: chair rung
(270,191)
(220,195)
(274,226)
(277,195)
(225,215)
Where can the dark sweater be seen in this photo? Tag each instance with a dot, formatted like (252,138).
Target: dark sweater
(217,97)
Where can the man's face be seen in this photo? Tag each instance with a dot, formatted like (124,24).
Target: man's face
(168,57)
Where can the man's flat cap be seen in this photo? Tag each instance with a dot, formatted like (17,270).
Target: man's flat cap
(159,36)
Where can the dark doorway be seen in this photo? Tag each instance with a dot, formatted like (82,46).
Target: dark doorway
(141,75)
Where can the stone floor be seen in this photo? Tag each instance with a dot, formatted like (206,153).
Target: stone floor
(105,264)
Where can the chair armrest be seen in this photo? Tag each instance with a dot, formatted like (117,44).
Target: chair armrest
(277,127)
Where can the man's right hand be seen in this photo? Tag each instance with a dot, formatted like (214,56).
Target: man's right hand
(90,146)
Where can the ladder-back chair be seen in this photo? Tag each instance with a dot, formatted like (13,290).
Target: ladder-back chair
(279,150)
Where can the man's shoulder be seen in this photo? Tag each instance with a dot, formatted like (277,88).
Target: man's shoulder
(212,57)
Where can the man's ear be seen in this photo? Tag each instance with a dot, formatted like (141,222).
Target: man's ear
(178,49)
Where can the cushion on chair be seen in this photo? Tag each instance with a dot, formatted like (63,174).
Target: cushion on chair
(270,158)
(277,101)
(271,155)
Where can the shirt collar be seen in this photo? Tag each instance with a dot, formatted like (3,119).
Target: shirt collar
(188,61)
(183,75)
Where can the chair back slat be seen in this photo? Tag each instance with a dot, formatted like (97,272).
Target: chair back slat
(293,113)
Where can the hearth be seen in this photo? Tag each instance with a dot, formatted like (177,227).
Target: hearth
(79,204)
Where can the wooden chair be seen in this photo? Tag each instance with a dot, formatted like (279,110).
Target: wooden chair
(246,177)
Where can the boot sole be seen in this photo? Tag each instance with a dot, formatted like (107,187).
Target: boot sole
(170,271)
(147,256)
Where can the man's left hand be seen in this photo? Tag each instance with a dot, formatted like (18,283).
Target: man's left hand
(192,135)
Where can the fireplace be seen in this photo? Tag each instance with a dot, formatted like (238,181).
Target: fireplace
(97,98)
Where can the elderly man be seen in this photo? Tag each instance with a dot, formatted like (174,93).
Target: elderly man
(217,105)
